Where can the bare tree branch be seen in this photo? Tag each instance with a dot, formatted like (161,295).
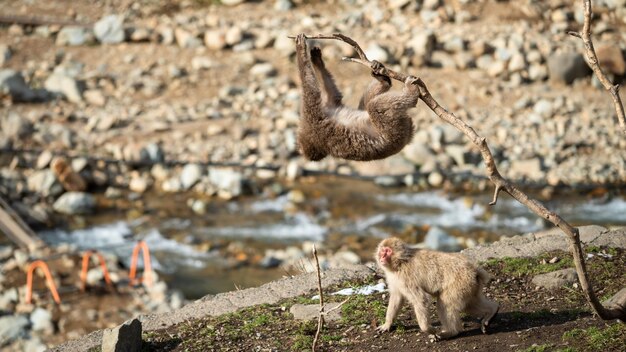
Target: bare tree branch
(615,311)
(592,60)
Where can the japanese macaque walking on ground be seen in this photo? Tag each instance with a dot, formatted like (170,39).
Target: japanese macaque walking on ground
(415,275)
(380,127)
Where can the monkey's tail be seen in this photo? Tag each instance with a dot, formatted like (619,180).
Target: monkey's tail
(483,277)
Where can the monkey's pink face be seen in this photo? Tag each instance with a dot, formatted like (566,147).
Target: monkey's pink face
(384,256)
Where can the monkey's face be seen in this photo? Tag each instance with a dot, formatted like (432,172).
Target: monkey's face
(384,256)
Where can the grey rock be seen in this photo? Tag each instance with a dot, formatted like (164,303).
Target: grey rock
(232,2)
(5,252)
(12,327)
(140,34)
(438,239)
(34,344)
(227,181)
(346,257)
(454,44)
(190,175)
(43,160)
(186,39)
(270,262)
(12,83)
(110,29)
(537,72)
(377,52)
(544,108)
(202,63)
(41,320)
(15,126)
(435,179)
(152,152)
(8,297)
(5,54)
(312,311)
(284,44)
(44,182)
(95,97)
(73,36)
(283,5)
(75,203)
(233,36)
(418,153)
(567,67)
(388,181)
(530,168)
(556,279)
(139,183)
(457,153)
(66,86)
(264,69)
(124,338)
(215,39)
(422,45)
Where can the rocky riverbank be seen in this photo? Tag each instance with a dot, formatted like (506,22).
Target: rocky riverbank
(174,91)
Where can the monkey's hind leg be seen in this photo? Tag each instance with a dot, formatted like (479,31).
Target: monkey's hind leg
(332,95)
(484,309)
(449,314)
(311,143)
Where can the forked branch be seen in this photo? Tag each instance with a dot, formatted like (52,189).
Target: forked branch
(592,60)
(617,308)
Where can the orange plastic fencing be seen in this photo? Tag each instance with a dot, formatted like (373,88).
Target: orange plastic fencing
(83,273)
(146,264)
(46,271)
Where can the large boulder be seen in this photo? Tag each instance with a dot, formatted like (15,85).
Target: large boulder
(567,67)
(12,83)
(126,337)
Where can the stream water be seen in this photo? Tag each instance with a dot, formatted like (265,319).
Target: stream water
(332,211)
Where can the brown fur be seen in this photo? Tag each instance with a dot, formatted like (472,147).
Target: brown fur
(415,275)
(70,180)
(379,128)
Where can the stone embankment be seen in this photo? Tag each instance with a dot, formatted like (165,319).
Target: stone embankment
(212,305)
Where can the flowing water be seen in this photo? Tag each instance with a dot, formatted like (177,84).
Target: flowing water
(186,246)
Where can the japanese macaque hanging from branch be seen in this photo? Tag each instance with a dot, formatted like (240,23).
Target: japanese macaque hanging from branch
(379,128)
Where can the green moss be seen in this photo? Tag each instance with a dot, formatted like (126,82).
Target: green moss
(363,310)
(610,338)
(529,266)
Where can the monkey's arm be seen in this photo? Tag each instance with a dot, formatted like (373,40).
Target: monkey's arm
(395,302)
(379,85)
(333,96)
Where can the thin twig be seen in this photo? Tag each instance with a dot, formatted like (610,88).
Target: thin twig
(336,307)
(320,319)
(501,184)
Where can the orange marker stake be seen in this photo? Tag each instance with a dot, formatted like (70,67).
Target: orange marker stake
(83,273)
(46,271)
(146,263)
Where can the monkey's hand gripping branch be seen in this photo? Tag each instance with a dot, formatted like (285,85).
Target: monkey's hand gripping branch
(614,308)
